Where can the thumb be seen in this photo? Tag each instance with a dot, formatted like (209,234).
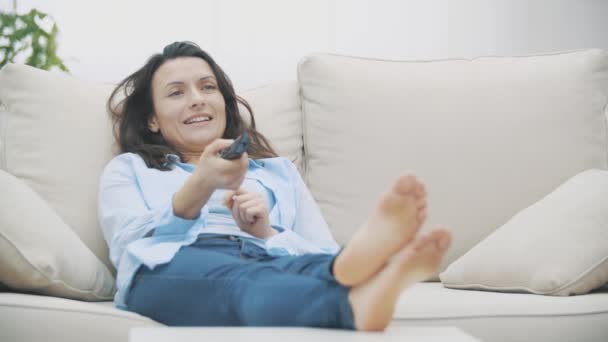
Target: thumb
(217,145)
(228,201)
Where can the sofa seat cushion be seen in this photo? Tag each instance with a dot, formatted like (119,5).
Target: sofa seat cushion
(489,316)
(494,316)
(25,317)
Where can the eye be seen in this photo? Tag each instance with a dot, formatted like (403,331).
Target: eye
(175,93)
(209,87)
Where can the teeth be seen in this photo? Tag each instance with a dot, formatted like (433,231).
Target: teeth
(197,120)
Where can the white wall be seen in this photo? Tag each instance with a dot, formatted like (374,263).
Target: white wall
(260,41)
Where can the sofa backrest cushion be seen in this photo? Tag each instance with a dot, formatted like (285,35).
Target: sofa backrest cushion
(56,137)
(564,252)
(488,136)
(40,254)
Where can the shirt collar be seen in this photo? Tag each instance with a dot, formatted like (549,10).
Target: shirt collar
(174,158)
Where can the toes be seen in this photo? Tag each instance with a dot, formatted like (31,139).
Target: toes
(439,238)
(409,184)
(421,204)
(422,215)
(444,242)
(420,190)
(406,183)
(421,242)
(430,247)
(442,238)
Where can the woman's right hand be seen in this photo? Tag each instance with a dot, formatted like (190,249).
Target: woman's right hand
(220,173)
(212,172)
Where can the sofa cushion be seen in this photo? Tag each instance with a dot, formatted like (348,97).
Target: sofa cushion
(506,317)
(26,317)
(278,115)
(488,136)
(39,253)
(557,246)
(56,137)
(487,315)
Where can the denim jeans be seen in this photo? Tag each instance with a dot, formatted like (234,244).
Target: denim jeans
(227,281)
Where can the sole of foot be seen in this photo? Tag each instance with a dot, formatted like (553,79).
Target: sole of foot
(395,221)
(373,302)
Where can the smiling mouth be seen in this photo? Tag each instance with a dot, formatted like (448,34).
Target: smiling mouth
(197,121)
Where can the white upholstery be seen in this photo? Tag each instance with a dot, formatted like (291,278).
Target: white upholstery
(506,317)
(487,315)
(33,253)
(557,246)
(25,317)
(489,137)
(278,115)
(56,137)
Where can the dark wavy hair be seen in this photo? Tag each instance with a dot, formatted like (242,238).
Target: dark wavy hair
(130,115)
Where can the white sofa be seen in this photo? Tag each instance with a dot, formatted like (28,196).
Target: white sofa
(489,136)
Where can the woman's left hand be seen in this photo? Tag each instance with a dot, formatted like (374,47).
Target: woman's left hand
(250,212)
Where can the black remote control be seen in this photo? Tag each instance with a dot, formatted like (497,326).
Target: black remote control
(238,147)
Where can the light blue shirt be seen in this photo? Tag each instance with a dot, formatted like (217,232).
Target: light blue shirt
(136,214)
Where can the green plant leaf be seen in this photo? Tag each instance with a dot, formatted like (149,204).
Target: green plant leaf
(43,44)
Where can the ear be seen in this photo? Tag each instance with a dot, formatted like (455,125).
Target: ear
(153,124)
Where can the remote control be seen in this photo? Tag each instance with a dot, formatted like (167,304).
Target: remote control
(238,147)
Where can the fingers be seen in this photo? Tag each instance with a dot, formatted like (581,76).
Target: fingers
(245,212)
(254,212)
(248,206)
(241,196)
(245,159)
(248,215)
(252,209)
(240,166)
(217,145)
(229,196)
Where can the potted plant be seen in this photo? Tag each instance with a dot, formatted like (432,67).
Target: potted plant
(22,36)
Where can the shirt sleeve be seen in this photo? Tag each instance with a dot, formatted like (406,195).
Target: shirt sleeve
(124,216)
(310,233)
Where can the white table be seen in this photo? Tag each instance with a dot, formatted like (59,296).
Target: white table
(252,334)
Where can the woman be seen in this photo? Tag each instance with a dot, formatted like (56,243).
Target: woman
(200,240)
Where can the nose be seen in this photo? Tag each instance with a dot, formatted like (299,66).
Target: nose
(197,98)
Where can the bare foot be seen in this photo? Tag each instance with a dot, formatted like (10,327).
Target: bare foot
(373,302)
(396,220)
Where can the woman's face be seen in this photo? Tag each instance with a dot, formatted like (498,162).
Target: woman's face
(189,109)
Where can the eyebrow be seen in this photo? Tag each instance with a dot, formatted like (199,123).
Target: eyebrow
(180,82)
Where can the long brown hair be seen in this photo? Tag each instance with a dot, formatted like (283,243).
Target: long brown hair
(130,115)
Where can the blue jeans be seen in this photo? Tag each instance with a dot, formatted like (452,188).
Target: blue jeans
(227,281)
